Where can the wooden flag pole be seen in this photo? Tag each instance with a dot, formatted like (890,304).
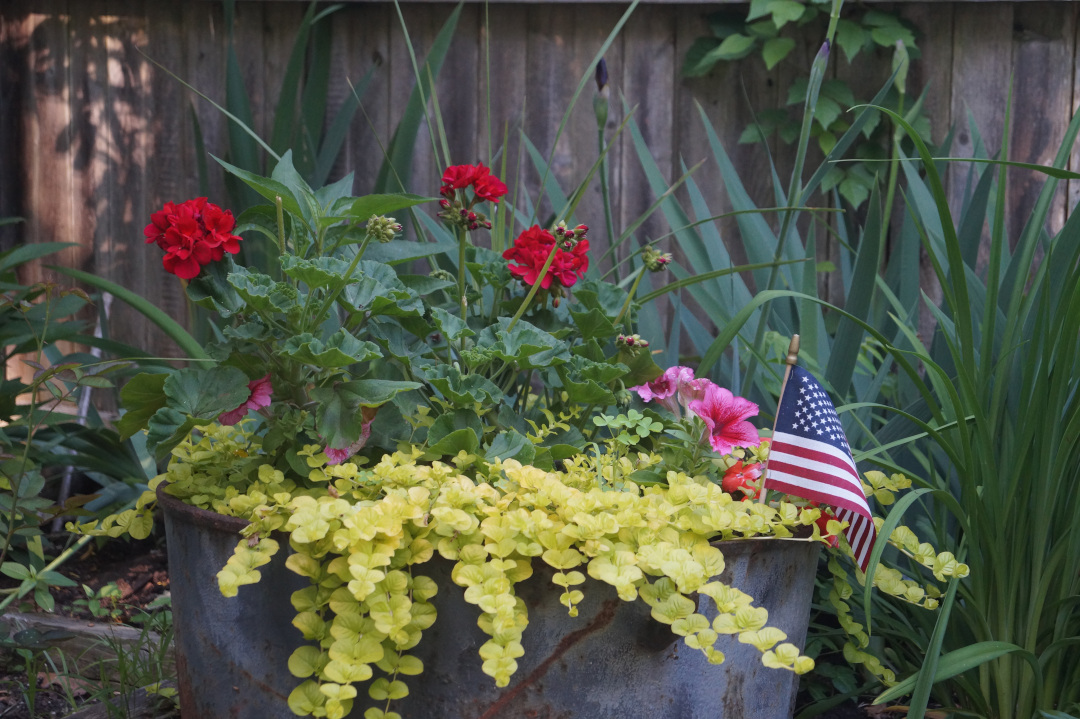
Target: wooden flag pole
(789,361)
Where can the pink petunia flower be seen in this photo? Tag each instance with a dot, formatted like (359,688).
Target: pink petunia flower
(260,391)
(676,386)
(725,418)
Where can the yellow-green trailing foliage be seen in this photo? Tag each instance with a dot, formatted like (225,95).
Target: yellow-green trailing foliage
(362,536)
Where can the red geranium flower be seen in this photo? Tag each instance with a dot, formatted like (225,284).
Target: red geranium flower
(531,250)
(457,177)
(193,234)
(488,187)
(740,477)
(485,185)
(725,417)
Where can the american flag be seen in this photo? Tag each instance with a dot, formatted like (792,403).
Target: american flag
(810,458)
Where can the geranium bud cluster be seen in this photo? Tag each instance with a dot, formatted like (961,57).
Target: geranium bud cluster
(382,229)
(655,260)
(569,238)
(457,214)
(633,343)
(457,207)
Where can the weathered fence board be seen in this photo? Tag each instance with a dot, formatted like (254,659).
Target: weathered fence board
(94,136)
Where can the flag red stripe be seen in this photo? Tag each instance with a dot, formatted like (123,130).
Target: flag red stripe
(847,482)
(782,445)
(822,497)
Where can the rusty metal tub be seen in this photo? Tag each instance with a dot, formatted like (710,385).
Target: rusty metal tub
(611,662)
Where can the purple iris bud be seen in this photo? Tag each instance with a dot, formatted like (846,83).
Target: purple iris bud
(601,74)
(824,51)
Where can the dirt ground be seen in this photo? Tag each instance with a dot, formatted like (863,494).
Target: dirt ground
(140,572)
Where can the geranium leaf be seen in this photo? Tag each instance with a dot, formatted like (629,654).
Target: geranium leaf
(338,416)
(166,429)
(205,394)
(394,340)
(211,289)
(461,440)
(262,292)
(602,296)
(142,396)
(510,444)
(462,391)
(586,381)
(377,289)
(323,272)
(451,423)
(641,366)
(452,326)
(525,345)
(341,349)
(424,284)
(594,323)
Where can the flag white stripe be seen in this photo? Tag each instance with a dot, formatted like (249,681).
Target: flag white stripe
(839,492)
(814,466)
(816,446)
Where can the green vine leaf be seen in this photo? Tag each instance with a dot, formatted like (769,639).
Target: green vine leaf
(776,50)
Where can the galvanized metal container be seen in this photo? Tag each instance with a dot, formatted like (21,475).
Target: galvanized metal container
(610,662)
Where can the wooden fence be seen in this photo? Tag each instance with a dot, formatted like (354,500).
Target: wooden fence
(93,137)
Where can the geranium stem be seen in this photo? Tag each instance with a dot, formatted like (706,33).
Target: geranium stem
(535,287)
(630,296)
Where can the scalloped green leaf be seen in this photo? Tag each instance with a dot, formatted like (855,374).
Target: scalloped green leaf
(341,349)
(510,444)
(142,396)
(375,288)
(452,326)
(462,390)
(206,393)
(263,292)
(322,272)
(593,323)
(526,345)
(338,414)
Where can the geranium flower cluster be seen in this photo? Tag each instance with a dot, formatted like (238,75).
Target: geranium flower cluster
(458,209)
(533,246)
(193,234)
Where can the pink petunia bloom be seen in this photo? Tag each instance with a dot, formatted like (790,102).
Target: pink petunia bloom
(676,386)
(725,418)
(260,391)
